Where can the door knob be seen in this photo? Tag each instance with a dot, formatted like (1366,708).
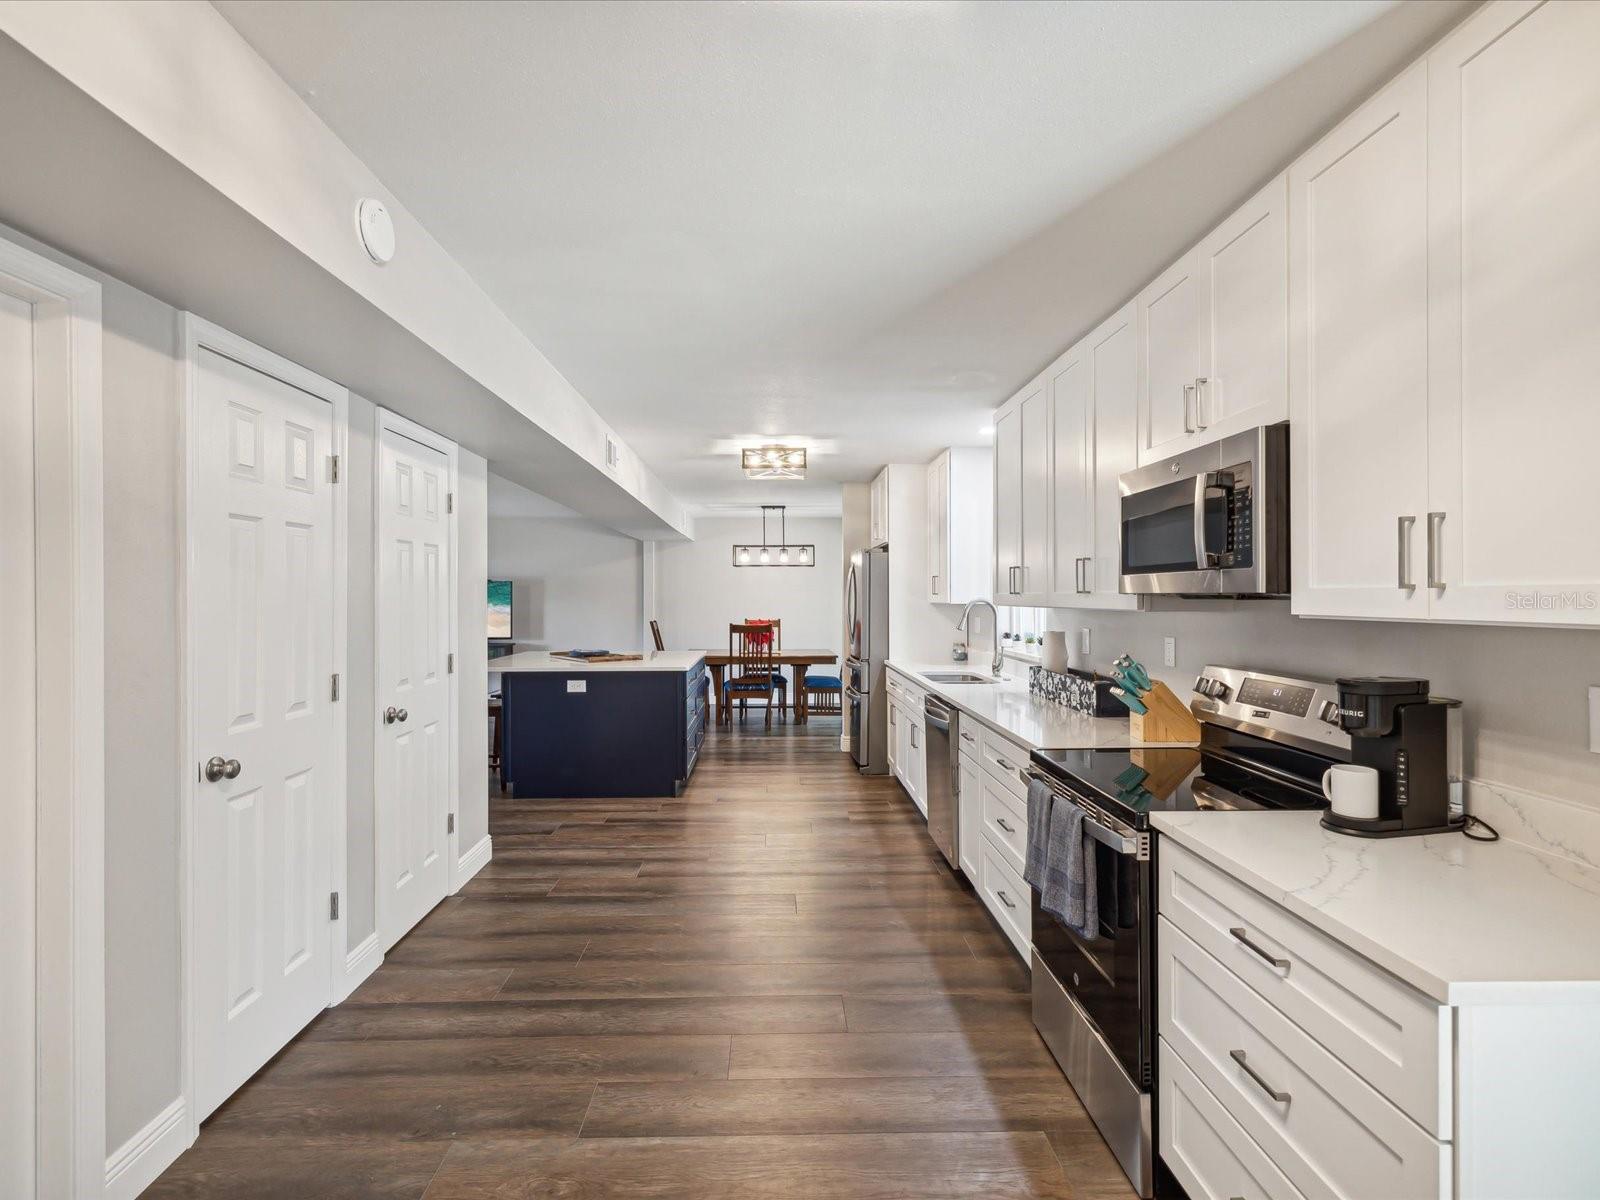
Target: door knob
(219,768)
(393,714)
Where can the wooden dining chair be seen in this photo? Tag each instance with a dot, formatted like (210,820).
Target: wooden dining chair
(775,624)
(754,670)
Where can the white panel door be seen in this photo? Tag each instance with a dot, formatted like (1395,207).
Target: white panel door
(1244,365)
(1514,162)
(1072,479)
(262,542)
(1113,354)
(1169,316)
(18,784)
(413,692)
(1358,240)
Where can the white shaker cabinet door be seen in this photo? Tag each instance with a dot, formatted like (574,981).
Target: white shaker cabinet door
(1514,190)
(1035,573)
(1169,317)
(1358,380)
(938,529)
(1244,368)
(1072,492)
(1113,357)
(1007,502)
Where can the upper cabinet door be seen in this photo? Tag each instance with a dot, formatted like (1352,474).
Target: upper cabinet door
(1244,367)
(938,529)
(1169,316)
(1072,448)
(1113,359)
(1035,573)
(1514,152)
(1007,501)
(1358,380)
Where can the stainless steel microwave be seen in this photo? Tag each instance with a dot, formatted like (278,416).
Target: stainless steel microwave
(1213,521)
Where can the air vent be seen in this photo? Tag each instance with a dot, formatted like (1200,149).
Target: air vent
(613,452)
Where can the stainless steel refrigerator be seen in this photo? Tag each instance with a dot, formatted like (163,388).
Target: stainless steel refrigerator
(866,698)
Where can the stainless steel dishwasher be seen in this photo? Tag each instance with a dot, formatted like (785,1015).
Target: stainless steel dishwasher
(941,723)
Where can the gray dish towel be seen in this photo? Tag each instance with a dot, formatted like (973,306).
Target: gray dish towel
(1060,862)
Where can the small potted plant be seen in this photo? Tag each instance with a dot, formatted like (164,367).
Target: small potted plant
(1029,640)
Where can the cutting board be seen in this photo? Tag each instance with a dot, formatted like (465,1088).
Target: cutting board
(599,658)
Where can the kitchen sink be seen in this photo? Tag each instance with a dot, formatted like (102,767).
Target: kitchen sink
(958,677)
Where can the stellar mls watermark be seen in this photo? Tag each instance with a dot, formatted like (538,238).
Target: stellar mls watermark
(1539,600)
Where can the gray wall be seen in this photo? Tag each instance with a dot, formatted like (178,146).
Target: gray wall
(1525,690)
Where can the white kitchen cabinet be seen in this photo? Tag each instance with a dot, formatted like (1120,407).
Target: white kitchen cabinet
(1022,498)
(1514,316)
(969,834)
(878,519)
(1094,440)
(1359,361)
(916,765)
(894,736)
(960,525)
(1213,333)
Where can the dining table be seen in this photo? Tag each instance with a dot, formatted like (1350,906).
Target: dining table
(796,660)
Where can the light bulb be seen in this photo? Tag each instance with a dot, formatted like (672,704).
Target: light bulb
(804,554)
(783,556)
(744,554)
(766,557)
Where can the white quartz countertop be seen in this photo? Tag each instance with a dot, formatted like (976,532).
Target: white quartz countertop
(1009,708)
(542,660)
(1465,922)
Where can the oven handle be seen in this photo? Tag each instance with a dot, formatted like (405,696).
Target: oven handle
(1122,843)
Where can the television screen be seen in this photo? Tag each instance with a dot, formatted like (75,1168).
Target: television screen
(499,608)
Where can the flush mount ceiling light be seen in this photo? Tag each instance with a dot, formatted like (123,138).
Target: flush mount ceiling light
(781,553)
(773,462)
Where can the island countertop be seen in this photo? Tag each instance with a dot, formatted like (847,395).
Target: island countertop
(542,660)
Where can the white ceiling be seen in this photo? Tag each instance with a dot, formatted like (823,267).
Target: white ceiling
(859,226)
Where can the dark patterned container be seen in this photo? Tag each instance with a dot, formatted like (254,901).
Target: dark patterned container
(1076,689)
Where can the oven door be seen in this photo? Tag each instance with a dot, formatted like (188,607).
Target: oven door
(1109,974)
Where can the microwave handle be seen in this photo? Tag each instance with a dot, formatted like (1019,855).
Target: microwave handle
(1220,482)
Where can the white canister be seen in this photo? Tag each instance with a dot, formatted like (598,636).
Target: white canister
(1352,791)
(1055,651)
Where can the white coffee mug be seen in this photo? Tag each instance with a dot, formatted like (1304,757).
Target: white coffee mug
(1352,790)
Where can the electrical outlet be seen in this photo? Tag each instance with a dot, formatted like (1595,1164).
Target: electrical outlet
(1083,646)
(1169,651)
(1594,719)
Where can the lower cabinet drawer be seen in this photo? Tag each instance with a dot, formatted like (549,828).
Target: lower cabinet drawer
(1006,761)
(1005,821)
(1205,1148)
(1324,1127)
(1007,897)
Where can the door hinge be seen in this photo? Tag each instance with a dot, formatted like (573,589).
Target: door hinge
(450,663)
(333,465)
(449,502)
(336,687)
(450,823)
(333,906)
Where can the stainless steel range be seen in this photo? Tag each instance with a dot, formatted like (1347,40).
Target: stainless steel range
(1266,741)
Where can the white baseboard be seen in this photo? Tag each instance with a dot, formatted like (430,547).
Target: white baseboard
(138,1161)
(473,861)
(361,962)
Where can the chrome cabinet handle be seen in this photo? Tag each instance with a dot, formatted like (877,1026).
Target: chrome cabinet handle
(1200,386)
(1088,582)
(1004,763)
(218,768)
(1004,899)
(1243,937)
(1188,400)
(967,737)
(1011,580)
(1001,821)
(1435,551)
(913,737)
(1406,579)
(933,584)
(1238,1057)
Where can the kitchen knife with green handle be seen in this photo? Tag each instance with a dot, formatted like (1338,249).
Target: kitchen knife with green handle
(1133,702)
(1134,670)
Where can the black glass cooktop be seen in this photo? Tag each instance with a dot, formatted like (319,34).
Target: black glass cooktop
(1229,770)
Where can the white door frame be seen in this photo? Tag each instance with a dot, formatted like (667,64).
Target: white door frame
(197,335)
(69,634)
(384,419)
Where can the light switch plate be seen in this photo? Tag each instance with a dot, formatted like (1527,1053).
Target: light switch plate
(1169,651)
(1083,643)
(1594,719)
(577,685)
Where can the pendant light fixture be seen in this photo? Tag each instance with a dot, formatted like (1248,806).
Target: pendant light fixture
(781,553)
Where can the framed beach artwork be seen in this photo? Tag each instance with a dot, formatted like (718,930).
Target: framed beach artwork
(499,608)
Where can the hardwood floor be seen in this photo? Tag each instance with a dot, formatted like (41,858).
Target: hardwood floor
(771,988)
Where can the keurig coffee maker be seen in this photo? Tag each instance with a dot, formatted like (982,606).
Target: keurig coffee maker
(1413,741)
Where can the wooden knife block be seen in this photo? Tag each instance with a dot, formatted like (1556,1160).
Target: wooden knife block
(1169,719)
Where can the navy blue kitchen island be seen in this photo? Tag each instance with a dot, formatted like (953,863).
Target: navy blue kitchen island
(573,729)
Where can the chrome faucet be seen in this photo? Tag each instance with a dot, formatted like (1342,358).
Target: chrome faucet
(999,658)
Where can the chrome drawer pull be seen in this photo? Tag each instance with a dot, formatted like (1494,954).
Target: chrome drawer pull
(1244,938)
(1004,763)
(1006,901)
(1001,821)
(967,737)
(1238,1057)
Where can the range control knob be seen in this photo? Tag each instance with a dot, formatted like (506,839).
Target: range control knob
(1213,689)
(1329,712)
